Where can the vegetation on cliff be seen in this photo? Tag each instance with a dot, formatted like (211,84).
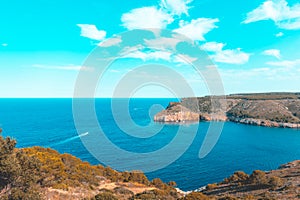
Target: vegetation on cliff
(265,109)
(282,183)
(18,173)
(42,173)
(36,173)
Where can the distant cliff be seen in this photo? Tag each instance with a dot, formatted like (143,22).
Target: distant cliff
(175,112)
(264,109)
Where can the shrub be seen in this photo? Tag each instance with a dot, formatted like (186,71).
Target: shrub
(195,196)
(18,172)
(105,196)
(258,177)
(275,182)
(122,190)
(152,194)
(238,176)
(211,186)
(158,183)
(228,198)
(249,197)
(172,184)
(137,176)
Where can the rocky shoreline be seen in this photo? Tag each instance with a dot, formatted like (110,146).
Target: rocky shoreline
(266,123)
(190,117)
(269,110)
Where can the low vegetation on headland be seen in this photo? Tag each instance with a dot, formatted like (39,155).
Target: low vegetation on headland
(42,173)
(264,109)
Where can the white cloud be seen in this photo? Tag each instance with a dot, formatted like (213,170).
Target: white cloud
(212,46)
(284,16)
(91,31)
(160,55)
(183,59)
(272,52)
(230,56)
(145,18)
(163,42)
(197,28)
(61,67)
(155,55)
(280,34)
(176,7)
(110,42)
(4,45)
(285,63)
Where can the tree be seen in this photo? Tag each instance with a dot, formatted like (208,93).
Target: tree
(18,172)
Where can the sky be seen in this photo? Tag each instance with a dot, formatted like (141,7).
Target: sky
(45,45)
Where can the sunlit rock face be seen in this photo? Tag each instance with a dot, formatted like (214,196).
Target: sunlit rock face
(175,112)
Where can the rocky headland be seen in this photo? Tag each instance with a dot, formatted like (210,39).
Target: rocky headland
(264,109)
(175,112)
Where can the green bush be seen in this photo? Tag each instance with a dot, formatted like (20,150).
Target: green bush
(258,177)
(211,186)
(158,183)
(275,182)
(123,191)
(228,198)
(195,196)
(152,194)
(18,172)
(238,176)
(172,184)
(105,196)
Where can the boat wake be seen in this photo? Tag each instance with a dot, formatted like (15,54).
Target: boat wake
(69,139)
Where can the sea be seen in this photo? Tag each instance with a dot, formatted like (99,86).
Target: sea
(50,123)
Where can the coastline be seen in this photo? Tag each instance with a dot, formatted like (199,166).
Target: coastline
(265,123)
(181,119)
(267,109)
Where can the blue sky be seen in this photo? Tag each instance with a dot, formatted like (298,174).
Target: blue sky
(43,44)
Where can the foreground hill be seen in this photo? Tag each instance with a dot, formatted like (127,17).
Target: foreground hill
(283,183)
(42,173)
(265,109)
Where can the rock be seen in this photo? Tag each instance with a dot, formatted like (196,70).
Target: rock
(175,112)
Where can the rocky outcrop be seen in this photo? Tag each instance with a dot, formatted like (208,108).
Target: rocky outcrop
(175,112)
(262,122)
(268,109)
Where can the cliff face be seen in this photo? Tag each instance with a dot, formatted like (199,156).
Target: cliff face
(175,112)
(272,110)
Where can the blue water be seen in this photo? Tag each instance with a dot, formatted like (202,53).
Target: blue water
(49,123)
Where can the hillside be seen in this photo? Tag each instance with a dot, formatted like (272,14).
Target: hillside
(283,183)
(42,173)
(265,109)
